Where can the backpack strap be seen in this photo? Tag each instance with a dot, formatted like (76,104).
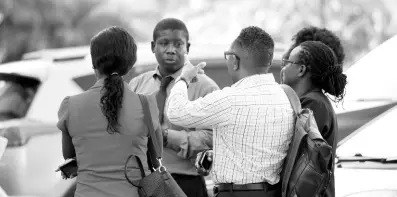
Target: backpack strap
(296,140)
(293,98)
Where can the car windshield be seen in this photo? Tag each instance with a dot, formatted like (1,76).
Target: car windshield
(375,139)
(16,95)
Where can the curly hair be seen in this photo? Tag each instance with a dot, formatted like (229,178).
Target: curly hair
(323,65)
(320,34)
(113,53)
(257,42)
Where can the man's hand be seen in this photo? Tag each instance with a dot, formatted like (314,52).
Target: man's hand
(189,72)
(200,169)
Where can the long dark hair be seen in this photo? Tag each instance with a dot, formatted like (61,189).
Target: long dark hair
(326,72)
(113,53)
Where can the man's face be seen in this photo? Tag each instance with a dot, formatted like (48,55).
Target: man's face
(290,68)
(169,48)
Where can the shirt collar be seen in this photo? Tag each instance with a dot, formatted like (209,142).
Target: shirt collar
(157,74)
(255,79)
(98,83)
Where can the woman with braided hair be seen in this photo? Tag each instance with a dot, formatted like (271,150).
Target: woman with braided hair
(313,71)
(102,126)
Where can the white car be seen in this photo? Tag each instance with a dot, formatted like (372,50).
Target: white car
(371,88)
(30,95)
(367,159)
(367,164)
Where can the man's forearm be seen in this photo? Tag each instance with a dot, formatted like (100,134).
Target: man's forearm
(188,143)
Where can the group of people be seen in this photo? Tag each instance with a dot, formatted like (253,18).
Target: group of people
(249,125)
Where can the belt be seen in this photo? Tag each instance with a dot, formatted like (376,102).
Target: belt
(246,187)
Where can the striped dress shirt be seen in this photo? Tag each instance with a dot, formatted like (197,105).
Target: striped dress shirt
(252,123)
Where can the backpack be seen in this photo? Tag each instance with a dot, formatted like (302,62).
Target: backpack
(308,166)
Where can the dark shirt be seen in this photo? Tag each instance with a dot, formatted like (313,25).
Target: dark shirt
(327,124)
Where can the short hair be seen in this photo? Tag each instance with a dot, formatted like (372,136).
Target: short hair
(323,35)
(172,24)
(258,43)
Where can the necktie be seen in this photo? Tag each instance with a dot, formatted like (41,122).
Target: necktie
(161,96)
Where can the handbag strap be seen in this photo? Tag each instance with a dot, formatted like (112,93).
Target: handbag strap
(134,183)
(155,145)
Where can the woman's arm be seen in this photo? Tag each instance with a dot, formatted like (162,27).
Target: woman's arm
(67,144)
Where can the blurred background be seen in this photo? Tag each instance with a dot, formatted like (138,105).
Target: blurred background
(27,25)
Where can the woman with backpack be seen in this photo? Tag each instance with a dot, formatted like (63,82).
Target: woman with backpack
(313,71)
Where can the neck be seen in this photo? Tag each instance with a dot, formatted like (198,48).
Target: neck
(303,87)
(99,76)
(250,72)
(255,71)
(164,72)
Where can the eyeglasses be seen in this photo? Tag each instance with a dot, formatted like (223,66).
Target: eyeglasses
(227,53)
(285,62)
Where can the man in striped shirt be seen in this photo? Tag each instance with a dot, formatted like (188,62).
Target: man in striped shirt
(252,120)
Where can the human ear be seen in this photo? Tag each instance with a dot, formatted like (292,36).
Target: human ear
(236,64)
(153,44)
(187,47)
(302,70)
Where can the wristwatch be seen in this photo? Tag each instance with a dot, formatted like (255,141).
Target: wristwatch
(181,78)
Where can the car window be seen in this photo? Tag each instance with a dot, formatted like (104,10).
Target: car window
(16,95)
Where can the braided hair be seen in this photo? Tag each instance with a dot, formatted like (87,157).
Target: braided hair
(322,64)
(113,53)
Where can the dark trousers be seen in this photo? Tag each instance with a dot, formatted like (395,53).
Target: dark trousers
(193,186)
(274,191)
(244,194)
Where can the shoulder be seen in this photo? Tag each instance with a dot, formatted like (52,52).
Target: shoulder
(312,100)
(141,79)
(315,99)
(63,108)
(205,84)
(318,103)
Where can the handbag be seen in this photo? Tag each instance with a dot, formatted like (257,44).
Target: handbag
(159,183)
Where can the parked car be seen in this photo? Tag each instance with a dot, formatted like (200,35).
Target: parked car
(30,95)
(371,88)
(367,159)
